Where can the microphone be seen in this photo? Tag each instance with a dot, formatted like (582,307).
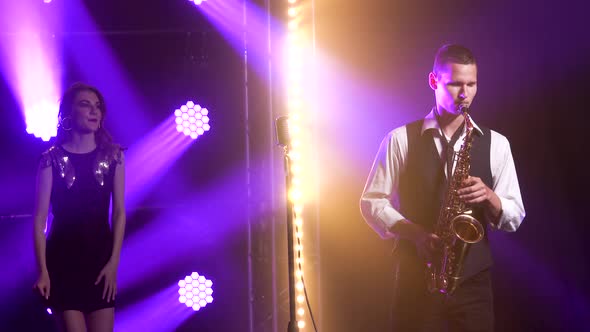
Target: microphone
(282,131)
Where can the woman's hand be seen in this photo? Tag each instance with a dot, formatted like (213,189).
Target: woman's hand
(43,284)
(109,273)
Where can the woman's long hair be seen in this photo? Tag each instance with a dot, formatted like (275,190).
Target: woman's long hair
(102,136)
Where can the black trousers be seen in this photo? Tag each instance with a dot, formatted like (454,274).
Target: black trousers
(415,309)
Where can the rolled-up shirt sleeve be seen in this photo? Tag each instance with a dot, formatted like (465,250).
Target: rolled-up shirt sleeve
(379,201)
(506,184)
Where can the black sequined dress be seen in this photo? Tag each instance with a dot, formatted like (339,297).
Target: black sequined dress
(79,240)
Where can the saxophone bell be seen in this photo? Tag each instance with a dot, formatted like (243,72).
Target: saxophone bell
(467,229)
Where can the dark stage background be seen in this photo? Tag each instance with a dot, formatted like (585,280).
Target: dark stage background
(373,62)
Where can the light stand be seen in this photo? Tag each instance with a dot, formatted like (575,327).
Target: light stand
(284,141)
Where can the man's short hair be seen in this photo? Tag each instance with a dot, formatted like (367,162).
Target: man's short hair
(452,53)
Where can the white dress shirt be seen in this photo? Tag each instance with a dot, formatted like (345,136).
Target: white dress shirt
(380,201)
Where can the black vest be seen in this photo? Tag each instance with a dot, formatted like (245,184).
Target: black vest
(422,183)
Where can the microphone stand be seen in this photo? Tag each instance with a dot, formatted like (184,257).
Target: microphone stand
(290,250)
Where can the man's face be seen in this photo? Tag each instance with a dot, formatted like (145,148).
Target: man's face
(455,85)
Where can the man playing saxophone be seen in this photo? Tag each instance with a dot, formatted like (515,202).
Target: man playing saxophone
(437,176)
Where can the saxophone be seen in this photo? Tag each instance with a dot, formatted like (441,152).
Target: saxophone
(456,226)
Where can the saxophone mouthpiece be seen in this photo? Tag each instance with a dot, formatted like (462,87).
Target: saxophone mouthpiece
(464,108)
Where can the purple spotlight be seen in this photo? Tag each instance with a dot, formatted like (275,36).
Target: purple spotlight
(49,311)
(197,2)
(41,119)
(192,120)
(195,291)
